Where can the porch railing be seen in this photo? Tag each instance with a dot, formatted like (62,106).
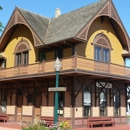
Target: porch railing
(70,63)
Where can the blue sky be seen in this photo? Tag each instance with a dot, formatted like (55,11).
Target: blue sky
(47,8)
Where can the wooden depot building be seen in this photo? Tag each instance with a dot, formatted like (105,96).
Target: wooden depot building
(92,45)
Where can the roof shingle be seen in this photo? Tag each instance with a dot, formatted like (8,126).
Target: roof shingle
(63,27)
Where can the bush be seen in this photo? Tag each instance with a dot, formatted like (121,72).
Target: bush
(40,125)
(35,125)
(64,125)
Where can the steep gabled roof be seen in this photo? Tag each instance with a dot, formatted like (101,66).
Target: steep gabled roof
(68,25)
(63,27)
(38,23)
(72,26)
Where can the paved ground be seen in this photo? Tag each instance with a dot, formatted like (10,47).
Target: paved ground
(16,126)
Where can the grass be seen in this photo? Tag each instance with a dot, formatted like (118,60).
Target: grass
(128,116)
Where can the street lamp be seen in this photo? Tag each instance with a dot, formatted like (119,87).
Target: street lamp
(57,66)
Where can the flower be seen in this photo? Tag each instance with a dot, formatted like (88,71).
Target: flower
(40,125)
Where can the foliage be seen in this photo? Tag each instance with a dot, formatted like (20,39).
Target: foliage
(128,116)
(65,125)
(40,125)
(35,125)
(0,8)
(1,25)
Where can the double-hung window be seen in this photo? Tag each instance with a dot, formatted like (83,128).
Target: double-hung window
(22,53)
(22,58)
(102,54)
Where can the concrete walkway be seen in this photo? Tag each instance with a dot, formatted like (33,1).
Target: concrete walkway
(16,126)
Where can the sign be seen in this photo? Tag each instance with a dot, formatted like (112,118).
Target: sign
(102,84)
(58,89)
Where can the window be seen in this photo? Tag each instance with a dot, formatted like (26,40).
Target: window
(42,56)
(59,53)
(102,48)
(103,102)
(101,54)
(22,58)
(87,101)
(30,98)
(25,58)
(22,53)
(116,102)
(60,103)
(4,101)
(2,63)
(97,53)
(18,59)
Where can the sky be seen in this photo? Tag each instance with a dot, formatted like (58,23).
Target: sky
(47,8)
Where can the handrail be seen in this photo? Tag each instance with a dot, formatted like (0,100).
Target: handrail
(69,63)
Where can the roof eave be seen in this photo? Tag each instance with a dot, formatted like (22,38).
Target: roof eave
(76,40)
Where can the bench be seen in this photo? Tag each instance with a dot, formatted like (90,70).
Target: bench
(4,117)
(100,121)
(49,120)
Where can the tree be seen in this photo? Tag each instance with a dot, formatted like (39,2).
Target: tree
(1,25)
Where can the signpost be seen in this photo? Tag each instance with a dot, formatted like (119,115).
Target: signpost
(108,85)
(59,89)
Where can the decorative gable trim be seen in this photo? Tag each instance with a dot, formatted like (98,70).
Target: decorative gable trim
(105,10)
(16,19)
(22,45)
(83,34)
(109,11)
(114,14)
(102,39)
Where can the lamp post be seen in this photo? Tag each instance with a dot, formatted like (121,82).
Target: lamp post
(57,66)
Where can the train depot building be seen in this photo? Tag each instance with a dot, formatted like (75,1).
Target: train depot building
(92,45)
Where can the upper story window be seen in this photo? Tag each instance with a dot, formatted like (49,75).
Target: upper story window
(102,48)
(22,53)
(42,55)
(58,53)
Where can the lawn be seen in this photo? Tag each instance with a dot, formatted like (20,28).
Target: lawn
(128,116)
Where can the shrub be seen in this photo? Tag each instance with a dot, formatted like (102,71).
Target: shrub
(63,125)
(35,125)
(40,125)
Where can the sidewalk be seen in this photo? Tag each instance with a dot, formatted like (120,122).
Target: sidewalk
(16,126)
(10,126)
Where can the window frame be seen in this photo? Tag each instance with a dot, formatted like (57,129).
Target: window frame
(59,52)
(101,56)
(40,58)
(89,90)
(22,53)
(101,41)
(22,59)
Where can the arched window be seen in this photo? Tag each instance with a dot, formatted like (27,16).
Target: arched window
(102,48)
(21,53)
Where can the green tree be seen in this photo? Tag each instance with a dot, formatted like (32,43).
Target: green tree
(1,25)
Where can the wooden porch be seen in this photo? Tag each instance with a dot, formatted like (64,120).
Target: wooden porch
(68,64)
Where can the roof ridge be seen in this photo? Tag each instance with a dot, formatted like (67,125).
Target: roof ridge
(91,4)
(47,30)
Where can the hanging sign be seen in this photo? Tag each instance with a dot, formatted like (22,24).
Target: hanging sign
(108,85)
(57,89)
